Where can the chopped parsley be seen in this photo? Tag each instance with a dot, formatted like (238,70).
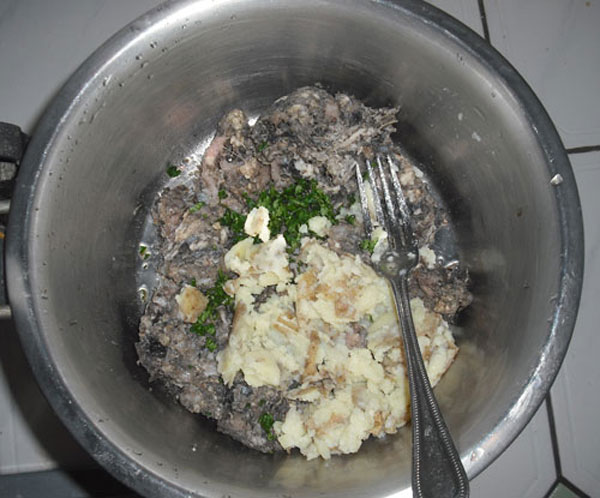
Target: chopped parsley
(173,171)
(193,282)
(200,327)
(350,219)
(289,209)
(266,421)
(211,344)
(262,146)
(197,207)
(222,194)
(235,221)
(144,253)
(368,245)
(205,324)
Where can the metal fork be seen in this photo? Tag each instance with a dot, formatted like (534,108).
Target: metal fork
(436,467)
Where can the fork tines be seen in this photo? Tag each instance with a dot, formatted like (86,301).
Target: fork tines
(396,215)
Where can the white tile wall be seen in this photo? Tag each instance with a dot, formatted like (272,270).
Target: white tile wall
(575,395)
(42,42)
(555,44)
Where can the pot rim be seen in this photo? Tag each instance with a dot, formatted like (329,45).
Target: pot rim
(29,323)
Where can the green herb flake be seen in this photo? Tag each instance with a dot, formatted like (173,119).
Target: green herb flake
(211,344)
(368,245)
(197,207)
(173,171)
(198,328)
(144,252)
(222,194)
(262,146)
(193,282)
(351,200)
(351,219)
(234,221)
(266,421)
(205,324)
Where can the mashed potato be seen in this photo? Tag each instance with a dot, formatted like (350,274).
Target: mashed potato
(301,340)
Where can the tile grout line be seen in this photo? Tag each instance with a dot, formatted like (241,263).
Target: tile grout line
(552,488)
(571,487)
(483,17)
(555,449)
(583,149)
(553,437)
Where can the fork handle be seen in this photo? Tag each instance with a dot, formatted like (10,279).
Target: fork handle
(437,470)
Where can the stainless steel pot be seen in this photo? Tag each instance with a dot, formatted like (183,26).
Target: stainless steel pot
(153,94)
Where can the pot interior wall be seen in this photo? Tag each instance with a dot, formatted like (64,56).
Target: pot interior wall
(161,98)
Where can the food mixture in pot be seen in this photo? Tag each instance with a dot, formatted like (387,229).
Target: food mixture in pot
(267,316)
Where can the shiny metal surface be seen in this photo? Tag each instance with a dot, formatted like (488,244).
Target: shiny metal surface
(154,92)
(4,206)
(437,471)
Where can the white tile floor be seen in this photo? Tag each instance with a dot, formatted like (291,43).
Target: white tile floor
(555,44)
